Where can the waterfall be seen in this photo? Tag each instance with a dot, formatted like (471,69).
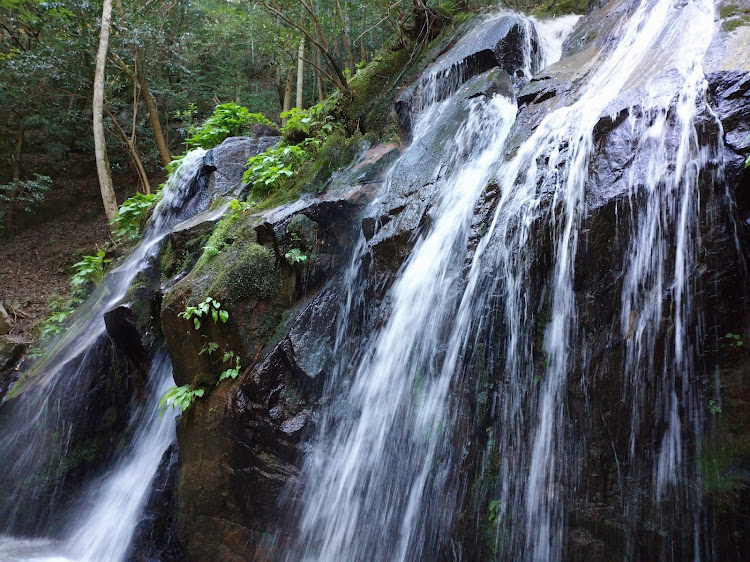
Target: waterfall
(377,483)
(52,406)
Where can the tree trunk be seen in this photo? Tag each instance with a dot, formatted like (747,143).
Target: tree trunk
(10,218)
(300,72)
(319,76)
(153,115)
(100,142)
(288,94)
(362,47)
(345,25)
(133,154)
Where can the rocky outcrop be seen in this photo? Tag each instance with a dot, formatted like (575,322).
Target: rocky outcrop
(499,42)
(229,158)
(276,275)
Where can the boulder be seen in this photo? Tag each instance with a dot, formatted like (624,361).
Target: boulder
(228,161)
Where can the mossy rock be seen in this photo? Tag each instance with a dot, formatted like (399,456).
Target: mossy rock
(303,232)
(252,275)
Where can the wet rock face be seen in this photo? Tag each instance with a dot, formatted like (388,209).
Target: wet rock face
(729,95)
(392,228)
(239,444)
(600,421)
(155,537)
(227,161)
(73,458)
(497,43)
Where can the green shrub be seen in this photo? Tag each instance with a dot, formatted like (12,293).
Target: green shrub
(228,120)
(181,397)
(231,372)
(60,311)
(127,223)
(89,270)
(295,257)
(266,171)
(306,123)
(27,194)
(209,307)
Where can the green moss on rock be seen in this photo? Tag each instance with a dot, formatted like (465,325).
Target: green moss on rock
(251,275)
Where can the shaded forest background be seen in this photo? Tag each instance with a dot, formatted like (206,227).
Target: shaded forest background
(169,64)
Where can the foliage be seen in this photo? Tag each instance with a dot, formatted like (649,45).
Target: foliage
(209,348)
(228,120)
(181,397)
(127,223)
(306,123)
(89,270)
(714,407)
(209,307)
(493,511)
(267,170)
(295,256)
(26,194)
(732,340)
(60,311)
(232,372)
(238,207)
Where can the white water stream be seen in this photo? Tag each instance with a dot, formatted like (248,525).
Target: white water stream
(373,477)
(101,526)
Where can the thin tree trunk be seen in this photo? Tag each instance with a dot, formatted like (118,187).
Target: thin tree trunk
(288,94)
(135,103)
(318,62)
(133,155)
(300,72)
(10,218)
(362,48)
(153,116)
(345,25)
(100,142)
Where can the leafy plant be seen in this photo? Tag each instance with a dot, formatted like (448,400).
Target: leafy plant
(306,123)
(27,194)
(60,311)
(211,251)
(266,171)
(295,256)
(209,307)
(228,120)
(732,340)
(209,348)
(714,407)
(232,372)
(175,163)
(127,223)
(237,207)
(493,511)
(89,270)
(181,397)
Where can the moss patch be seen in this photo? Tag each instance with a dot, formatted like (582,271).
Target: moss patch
(725,459)
(734,23)
(252,274)
(555,8)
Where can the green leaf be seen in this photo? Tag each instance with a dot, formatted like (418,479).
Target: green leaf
(224,315)
(197,323)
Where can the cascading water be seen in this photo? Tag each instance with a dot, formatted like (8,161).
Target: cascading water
(376,469)
(376,482)
(43,419)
